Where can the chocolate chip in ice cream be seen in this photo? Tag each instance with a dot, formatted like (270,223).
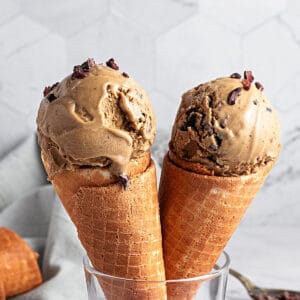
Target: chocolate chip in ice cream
(233,96)
(236,75)
(48,92)
(48,89)
(51,97)
(125,75)
(223,123)
(269,109)
(259,86)
(125,181)
(219,139)
(112,64)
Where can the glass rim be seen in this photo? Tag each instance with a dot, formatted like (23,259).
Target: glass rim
(205,277)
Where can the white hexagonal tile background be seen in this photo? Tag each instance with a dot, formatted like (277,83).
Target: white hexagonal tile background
(157,15)
(190,54)
(241,17)
(64,17)
(9,10)
(115,36)
(22,83)
(273,54)
(12,129)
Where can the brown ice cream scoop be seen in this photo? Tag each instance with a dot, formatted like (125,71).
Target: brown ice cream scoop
(19,271)
(227,125)
(96,117)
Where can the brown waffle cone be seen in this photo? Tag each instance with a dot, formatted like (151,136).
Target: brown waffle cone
(2,291)
(19,270)
(120,229)
(199,215)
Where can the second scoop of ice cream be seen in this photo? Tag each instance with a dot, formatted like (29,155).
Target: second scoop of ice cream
(229,130)
(95,117)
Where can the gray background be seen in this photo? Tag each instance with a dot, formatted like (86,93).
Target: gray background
(170,46)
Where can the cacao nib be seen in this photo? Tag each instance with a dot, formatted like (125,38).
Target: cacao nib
(80,71)
(259,86)
(112,64)
(248,78)
(233,96)
(236,75)
(46,90)
(88,64)
(269,109)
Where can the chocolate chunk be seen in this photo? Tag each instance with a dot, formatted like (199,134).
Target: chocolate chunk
(211,101)
(51,97)
(206,127)
(255,101)
(54,85)
(219,139)
(125,181)
(125,75)
(269,109)
(236,75)
(233,96)
(259,86)
(192,117)
(48,89)
(191,122)
(112,64)
(223,123)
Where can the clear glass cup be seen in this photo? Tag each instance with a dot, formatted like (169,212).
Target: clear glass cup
(211,286)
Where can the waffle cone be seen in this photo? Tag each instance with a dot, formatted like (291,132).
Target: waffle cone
(199,215)
(2,291)
(19,270)
(120,229)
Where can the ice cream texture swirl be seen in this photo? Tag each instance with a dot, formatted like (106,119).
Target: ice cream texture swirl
(96,117)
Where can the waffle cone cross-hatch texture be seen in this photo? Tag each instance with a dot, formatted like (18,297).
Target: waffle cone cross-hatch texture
(199,215)
(19,270)
(120,229)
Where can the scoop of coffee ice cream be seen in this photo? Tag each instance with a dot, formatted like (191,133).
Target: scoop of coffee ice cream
(97,116)
(228,126)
